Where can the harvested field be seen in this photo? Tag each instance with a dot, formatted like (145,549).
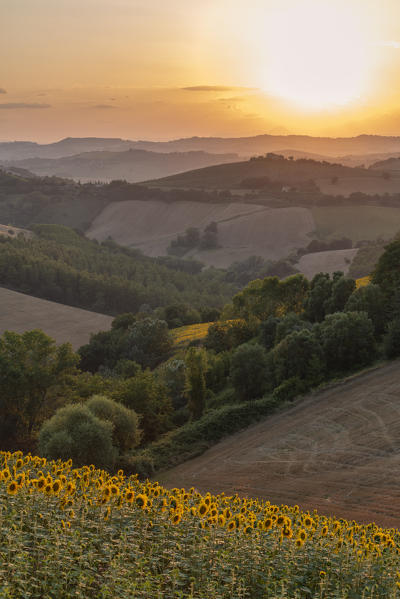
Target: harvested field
(337,451)
(20,313)
(357,222)
(243,229)
(311,264)
(374,184)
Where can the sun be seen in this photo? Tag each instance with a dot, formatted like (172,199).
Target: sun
(314,55)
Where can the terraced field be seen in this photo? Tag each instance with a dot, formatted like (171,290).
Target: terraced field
(337,451)
(20,313)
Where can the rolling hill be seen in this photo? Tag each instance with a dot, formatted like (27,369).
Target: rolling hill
(20,313)
(337,451)
(303,174)
(131,165)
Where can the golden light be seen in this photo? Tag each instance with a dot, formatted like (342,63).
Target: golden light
(313,54)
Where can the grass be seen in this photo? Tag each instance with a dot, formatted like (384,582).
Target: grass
(83,533)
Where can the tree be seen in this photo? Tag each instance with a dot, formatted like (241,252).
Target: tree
(288,324)
(299,355)
(32,369)
(148,342)
(347,339)
(369,299)
(124,422)
(75,432)
(195,388)
(149,399)
(248,371)
(391,341)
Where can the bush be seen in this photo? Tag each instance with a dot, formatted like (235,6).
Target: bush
(141,465)
(125,423)
(195,437)
(75,432)
(299,355)
(289,389)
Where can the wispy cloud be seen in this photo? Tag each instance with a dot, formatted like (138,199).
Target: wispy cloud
(22,105)
(101,107)
(209,88)
(2,90)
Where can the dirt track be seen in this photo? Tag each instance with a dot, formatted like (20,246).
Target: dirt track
(337,451)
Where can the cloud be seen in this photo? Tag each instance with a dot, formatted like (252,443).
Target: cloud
(20,105)
(209,88)
(101,107)
(234,99)
(389,44)
(2,90)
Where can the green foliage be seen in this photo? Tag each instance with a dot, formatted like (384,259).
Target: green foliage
(59,264)
(194,437)
(299,355)
(223,336)
(392,339)
(149,399)
(327,295)
(347,339)
(32,370)
(271,297)
(289,389)
(195,387)
(289,324)
(371,300)
(267,332)
(247,372)
(125,425)
(148,342)
(75,432)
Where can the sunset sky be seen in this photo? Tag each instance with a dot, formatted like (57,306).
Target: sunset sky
(162,69)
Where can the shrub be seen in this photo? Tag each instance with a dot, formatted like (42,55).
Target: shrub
(125,424)
(299,355)
(289,389)
(75,432)
(142,465)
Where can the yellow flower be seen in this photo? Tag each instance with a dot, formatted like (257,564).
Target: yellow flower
(56,486)
(12,488)
(141,500)
(176,518)
(203,508)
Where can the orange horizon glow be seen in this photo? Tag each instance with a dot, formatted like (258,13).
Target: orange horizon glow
(150,69)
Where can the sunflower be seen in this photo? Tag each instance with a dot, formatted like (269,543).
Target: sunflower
(299,543)
(56,486)
(302,534)
(141,500)
(19,463)
(231,525)
(176,518)
(267,523)
(12,488)
(129,496)
(203,508)
(114,490)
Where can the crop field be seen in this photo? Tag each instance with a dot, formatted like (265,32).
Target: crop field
(191,332)
(330,261)
(336,450)
(80,532)
(357,222)
(243,229)
(20,313)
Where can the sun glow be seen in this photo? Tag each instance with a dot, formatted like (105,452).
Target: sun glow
(315,55)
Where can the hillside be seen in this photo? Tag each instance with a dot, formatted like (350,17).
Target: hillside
(303,174)
(132,165)
(20,313)
(336,451)
(389,164)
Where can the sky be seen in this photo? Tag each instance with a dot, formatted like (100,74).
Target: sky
(164,69)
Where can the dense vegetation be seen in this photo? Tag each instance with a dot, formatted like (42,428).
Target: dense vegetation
(68,532)
(275,341)
(59,264)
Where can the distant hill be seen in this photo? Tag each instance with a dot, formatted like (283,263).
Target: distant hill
(20,313)
(131,165)
(256,172)
(243,146)
(390,164)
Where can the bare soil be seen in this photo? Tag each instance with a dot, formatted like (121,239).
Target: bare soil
(331,261)
(20,313)
(336,451)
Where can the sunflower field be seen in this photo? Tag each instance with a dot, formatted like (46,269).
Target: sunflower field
(67,532)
